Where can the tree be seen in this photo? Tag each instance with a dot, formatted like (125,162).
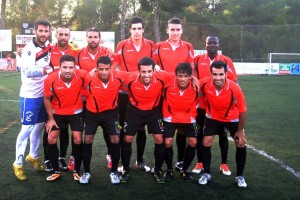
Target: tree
(122,20)
(156,21)
(3,14)
(103,14)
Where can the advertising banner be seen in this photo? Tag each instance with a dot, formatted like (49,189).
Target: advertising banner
(295,68)
(22,40)
(273,68)
(5,40)
(250,68)
(284,69)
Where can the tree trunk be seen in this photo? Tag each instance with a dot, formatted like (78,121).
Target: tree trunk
(156,21)
(123,14)
(3,16)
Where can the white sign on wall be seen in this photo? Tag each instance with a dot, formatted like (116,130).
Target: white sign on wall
(5,40)
(203,51)
(250,68)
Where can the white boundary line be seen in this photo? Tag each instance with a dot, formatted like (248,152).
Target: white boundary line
(8,100)
(276,160)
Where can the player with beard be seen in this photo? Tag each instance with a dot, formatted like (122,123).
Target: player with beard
(35,68)
(62,47)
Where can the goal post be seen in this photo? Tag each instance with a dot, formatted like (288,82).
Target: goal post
(283,57)
(283,63)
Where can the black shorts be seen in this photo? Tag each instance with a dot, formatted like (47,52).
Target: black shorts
(108,120)
(135,118)
(213,127)
(189,130)
(75,121)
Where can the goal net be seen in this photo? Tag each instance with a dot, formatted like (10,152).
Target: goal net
(283,57)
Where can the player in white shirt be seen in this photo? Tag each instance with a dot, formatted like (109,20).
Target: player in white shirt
(35,67)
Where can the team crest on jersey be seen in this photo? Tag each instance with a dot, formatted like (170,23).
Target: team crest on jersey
(46,58)
(29,115)
(29,53)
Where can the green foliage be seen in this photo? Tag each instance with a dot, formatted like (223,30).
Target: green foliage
(175,6)
(95,13)
(240,24)
(147,5)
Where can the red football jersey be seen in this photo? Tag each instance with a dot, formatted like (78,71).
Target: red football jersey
(147,97)
(56,54)
(128,56)
(224,105)
(168,59)
(66,98)
(203,62)
(87,61)
(180,106)
(101,96)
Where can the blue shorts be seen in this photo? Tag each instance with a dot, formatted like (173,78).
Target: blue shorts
(32,111)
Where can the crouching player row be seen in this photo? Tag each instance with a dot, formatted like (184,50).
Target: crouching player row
(179,110)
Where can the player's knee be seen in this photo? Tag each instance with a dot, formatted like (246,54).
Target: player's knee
(158,138)
(168,143)
(207,142)
(52,139)
(114,139)
(192,142)
(240,144)
(88,139)
(77,140)
(128,139)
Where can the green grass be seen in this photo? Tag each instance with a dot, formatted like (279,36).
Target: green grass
(272,126)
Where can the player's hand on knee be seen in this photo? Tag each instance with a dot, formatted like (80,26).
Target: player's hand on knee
(50,124)
(240,138)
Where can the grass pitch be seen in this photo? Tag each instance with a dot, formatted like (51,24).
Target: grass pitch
(272,126)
